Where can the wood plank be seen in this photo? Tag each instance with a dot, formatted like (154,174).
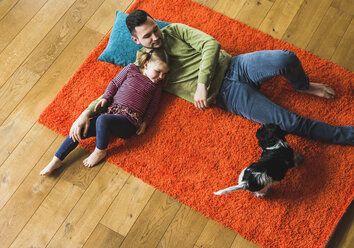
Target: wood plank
(61,35)
(104,17)
(305,22)
(208,3)
(6,6)
(15,129)
(23,159)
(55,207)
(51,213)
(214,236)
(253,12)
(82,220)
(15,89)
(344,5)
(102,236)
(47,51)
(329,33)
(229,8)
(344,53)
(80,175)
(129,203)
(30,36)
(184,230)
(26,113)
(16,19)
(25,201)
(279,17)
(343,236)
(240,242)
(153,221)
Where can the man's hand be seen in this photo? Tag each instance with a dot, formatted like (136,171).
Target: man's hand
(83,122)
(101,104)
(141,129)
(200,97)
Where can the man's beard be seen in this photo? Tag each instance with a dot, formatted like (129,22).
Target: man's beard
(154,47)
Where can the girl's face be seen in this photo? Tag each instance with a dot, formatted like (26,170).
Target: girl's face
(155,71)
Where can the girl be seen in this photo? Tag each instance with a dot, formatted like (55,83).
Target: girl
(132,98)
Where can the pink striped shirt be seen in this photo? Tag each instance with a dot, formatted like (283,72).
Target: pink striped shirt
(133,90)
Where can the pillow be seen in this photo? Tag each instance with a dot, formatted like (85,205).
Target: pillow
(121,50)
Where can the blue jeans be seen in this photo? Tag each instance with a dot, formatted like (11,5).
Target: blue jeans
(100,127)
(239,94)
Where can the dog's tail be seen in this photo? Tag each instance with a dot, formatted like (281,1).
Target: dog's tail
(230,189)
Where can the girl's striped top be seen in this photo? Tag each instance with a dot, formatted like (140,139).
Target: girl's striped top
(131,89)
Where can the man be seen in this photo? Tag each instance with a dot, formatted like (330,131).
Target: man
(203,74)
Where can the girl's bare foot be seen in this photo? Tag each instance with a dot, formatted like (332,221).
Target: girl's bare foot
(95,157)
(321,90)
(54,164)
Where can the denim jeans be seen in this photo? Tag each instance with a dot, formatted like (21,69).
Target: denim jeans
(101,127)
(239,94)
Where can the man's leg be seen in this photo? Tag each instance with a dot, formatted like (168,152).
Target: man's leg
(239,94)
(257,67)
(245,100)
(107,124)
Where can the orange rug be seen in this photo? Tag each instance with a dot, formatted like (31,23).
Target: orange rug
(189,154)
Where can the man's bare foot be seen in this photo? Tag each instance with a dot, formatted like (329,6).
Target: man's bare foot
(95,157)
(54,164)
(321,90)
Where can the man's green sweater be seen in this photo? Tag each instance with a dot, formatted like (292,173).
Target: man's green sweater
(194,57)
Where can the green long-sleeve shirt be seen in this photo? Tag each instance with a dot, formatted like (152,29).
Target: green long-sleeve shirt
(195,57)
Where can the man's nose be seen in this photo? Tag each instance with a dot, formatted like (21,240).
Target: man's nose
(154,37)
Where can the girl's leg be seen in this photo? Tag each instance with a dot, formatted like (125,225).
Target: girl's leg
(107,124)
(66,147)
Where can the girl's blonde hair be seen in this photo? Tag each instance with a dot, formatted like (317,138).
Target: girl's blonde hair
(155,55)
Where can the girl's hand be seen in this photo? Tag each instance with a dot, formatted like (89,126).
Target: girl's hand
(101,104)
(141,129)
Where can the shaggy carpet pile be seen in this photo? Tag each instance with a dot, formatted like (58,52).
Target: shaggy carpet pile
(189,154)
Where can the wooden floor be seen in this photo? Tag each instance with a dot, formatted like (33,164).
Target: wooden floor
(42,43)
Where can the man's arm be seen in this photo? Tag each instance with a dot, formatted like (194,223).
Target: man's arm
(209,49)
(92,107)
(200,97)
(203,43)
(82,122)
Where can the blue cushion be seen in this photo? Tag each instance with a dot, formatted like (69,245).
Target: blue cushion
(121,50)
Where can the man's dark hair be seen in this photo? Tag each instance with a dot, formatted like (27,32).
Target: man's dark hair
(135,19)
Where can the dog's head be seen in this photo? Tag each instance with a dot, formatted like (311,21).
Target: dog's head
(268,135)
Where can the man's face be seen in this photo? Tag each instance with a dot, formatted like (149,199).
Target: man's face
(148,34)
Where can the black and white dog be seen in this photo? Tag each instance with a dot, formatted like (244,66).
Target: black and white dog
(277,158)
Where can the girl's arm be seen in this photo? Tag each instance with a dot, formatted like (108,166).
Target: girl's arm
(153,106)
(115,84)
(111,89)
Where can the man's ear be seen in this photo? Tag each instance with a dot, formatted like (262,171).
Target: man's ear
(136,40)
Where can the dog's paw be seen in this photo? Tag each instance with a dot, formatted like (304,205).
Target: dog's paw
(262,194)
(259,195)
(298,158)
